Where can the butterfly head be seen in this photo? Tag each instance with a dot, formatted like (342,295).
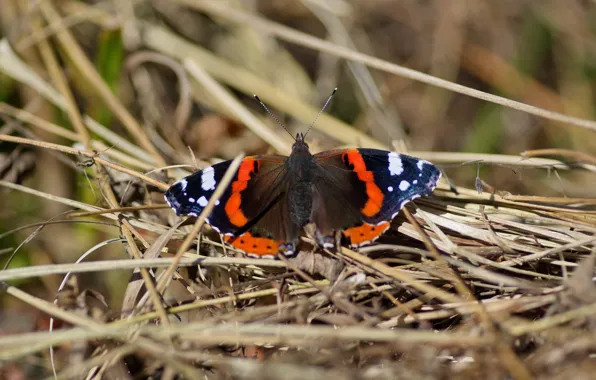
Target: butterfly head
(300,145)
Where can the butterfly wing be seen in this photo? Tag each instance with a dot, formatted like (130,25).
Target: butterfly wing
(369,186)
(252,212)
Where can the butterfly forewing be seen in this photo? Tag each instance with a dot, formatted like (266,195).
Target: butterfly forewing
(253,208)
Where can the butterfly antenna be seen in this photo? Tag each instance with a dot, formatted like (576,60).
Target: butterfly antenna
(273,116)
(322,109)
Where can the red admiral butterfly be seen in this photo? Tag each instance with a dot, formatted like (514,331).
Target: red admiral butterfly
(272,198)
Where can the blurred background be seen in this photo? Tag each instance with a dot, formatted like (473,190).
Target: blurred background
(537,52)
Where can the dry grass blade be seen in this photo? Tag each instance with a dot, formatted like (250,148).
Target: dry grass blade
(499,159)
(44,125)
(134,287)
(108,265)
(268,334)
(92,155)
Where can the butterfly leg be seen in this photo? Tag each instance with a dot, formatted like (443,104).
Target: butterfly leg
(320,239)
(288,249)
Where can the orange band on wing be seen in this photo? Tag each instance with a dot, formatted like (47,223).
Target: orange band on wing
(365,233)
(254,245)
(375,195)
(232,208)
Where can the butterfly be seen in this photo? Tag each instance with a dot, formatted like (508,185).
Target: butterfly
(355,192)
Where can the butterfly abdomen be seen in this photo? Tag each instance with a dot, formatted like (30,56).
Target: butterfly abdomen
(300,202)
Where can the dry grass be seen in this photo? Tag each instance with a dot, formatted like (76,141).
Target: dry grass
(468,283)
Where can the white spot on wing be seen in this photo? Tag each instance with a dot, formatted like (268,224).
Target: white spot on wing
(390,189)
(396,166)
(403,185)
(408,200)
(183,183)
(191,200)
(217,202)
(420,164)
(208,179)
(202,201)
(415,182)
